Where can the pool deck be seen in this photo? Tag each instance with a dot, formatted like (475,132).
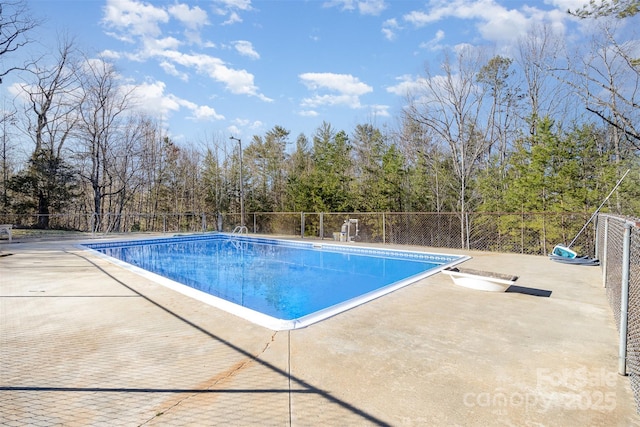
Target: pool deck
(85,342)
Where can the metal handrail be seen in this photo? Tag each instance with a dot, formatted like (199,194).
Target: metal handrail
(240,229)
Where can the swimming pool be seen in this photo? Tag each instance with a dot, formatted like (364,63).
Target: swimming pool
(279,284)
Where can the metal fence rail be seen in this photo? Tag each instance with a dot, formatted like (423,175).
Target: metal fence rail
(618,248)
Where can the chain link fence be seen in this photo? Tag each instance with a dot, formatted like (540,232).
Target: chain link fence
(114,223)
(618,248)
(527,233)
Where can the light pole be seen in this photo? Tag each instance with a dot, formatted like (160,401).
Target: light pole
(241,183)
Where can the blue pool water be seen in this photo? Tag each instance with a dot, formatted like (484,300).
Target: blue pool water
(293,283)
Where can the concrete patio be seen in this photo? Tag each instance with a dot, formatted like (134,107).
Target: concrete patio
(85,342)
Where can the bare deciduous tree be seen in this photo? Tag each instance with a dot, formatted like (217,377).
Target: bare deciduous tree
(537,51)
(605,76)
(450,107)
(611,82)
(51,114)
(102,131)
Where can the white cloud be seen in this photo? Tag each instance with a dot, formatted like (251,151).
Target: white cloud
(234,130)
(231,8)
(192,18)
(371,7)
(205,113)
(152,99)
(235,4)
(16,91)
(152,48)
(462,48)
(420,19)
(379,110)
(344,83)
(129,20)
(495,22)
(364,7)
(389,28)
(407,85)
(239,123)
(308,113)
(245,48)
(234,18)
(159,44)
(501,25)
(348,88)
(332,101)
(257,124)
(434,43)
(462,9)
(236,81)
(138,22)
(171,69)
(110,54)
(242,122)
(133,18)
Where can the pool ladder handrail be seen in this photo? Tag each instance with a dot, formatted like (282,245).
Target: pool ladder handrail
(240,229)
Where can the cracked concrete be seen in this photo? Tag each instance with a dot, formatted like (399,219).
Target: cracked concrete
(85,342)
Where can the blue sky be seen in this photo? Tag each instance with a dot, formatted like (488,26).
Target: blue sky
(240,67)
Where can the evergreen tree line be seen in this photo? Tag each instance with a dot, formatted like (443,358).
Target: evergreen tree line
(546,130)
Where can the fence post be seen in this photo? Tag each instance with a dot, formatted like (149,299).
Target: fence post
(384,229)
(321,226)
(624,301)
(302,225)
(596,229)
(466,220)
(522,234)
(605,247)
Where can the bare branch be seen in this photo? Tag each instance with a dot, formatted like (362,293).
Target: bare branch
(15,23)
(630,132)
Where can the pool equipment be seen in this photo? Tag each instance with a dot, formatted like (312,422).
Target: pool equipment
(579,260)
(345,230)
(560,251)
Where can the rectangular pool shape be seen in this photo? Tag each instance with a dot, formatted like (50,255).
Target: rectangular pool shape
(278,284)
